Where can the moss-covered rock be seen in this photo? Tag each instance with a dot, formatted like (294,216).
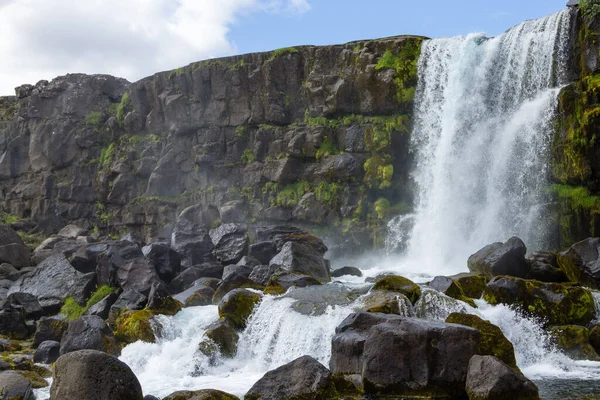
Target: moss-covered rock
(132,326)
(401,285)
(386,302)
(224,335)
(238,305)
(574,341)
(595,337)
(37,381)
(492,341)
(168,306)
(472,285)
(553,303)
(206,394)
(450,288)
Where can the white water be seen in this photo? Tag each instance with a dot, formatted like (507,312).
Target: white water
(483,123)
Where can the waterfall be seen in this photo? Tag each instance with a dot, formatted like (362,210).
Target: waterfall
(483,124)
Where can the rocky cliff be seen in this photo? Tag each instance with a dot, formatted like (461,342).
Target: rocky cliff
(305,135)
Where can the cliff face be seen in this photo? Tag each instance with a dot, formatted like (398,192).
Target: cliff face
(307,134)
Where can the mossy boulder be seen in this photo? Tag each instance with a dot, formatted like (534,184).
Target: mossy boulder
(168,306)
(500,259)
(553,303)
(595,337)
(450,288)
(574,341)
(132,326)
(224,335)
(436,306)
(580,262)
(202,296)
(206,394)
(386,302)
(37,381)
(492,341)
(281,281)
(472,285)
(401,285)
(238,305)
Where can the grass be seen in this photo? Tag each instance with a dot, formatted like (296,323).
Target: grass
(327,148)
(578,196)
(93,119)
(123,108)
(73,310)
(283,52)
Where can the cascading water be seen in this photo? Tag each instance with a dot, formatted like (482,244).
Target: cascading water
(483,124)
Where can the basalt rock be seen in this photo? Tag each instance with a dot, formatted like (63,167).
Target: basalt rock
(89,332)
(501,259)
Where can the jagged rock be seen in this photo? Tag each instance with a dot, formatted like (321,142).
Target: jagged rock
(190,236)
(161,302)
(284,234)
(53,281)
(401,285)
(553,303)
(581,262)
(281,281)
(9,272)
(231,242)
(233,281)
(12,249)
(574,341)
(243,270)
(93,375)
(490,379)
(14,386)
(381,301)
(49,329)
(26,304)
(237,306)
(89,332)
(450,288)
(47,352)
(545,273)
(185,279)
(501,259)
(263,251)
(206,394)
(262,273)
(138,275)
(72,232)
(102,308)
(129,299)
(351,271)
(298,258)
(410,350)
(165,261)
(304,378)
(12,324)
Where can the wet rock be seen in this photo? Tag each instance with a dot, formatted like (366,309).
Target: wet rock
(49,329)
(89,333)
(262,273)
(47,352)
(185,279)
(26,304)
(237,306)
(500,259)
(305,378)
(492,341)
(93,375)
(15,387)
(545,273)
(233,281)
(53,281)
(129,299)
(284,234)
(263,251)
(281,281)
(135,325)
(224,335)
(301,259)
(436,306)
(410,351)
(102,308)
(166,262)
(553,303)
(351,271)
(206,394)
(595,337)
(450,288)
(110,257)
(385,302)
(201,296)
(12,324)
(138,275)
(574,341)
(489,378)
(161,302)
(580,262)
(315,300)
(243,270)
(401,285)
(231,242)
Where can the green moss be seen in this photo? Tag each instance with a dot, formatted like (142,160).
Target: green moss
(8,219)
(32,239)
(326,149)
(574,341)
(328,193)
(239,307)
(123,108)
(175,72)
(405,64)
(168,306)
(107,155)
(73,310)
(472,285)
(358,47)
(241,130)
(135,325)
(93,119)
(290,195)
(379,171)
(382,206)
(401,285)
(282,52)
(579,197)
(491,340)
(322,122)
(248,157)
(590,8)
(206,394)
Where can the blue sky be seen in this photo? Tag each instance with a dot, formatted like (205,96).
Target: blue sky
(42,39)
(340,21)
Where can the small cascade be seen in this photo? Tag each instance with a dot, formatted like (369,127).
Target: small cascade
(596,297)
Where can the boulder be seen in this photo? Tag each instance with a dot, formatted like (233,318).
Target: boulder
(9,272)
(316,299)
(231,242)
(262,273)
(401,285)
(185,279)
(490,379)
(201,296)
(595,337)
(89,333)
(237,306)
(102,308)
(224,335)
(303,378)
(545,273)
(553,303)
(385,302)
(450,288)
(93,375)
(436,306)
(581,262)
(47,352)
(243,270)
(233,281)
(190,235)
(283,234)
(263,251)
(53,281)
(110,257)
(165,261)
(129,299)
(492,341)
(49,329)
(12,249)
(14,386)
(501,259)
(135,325)
(281,281)
(350,271)
(206,394)
(72,232)
(12,324)
(26,304)
(298,258)
(138,275)
(574,341)
(403,356)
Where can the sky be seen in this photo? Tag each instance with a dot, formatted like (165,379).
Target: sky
(42,39)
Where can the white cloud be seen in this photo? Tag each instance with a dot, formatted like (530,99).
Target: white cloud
(41,39)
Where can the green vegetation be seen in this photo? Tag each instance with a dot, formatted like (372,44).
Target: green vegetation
(291,194)
(135,325)
(328,193)
(590,8)
(399,284)
(358,47)
(379,171)
(73,310)
(241,130)
(327,148)
(93,119)
(176,72)
(579,198)
(283,52)
(107,155)
(322,121)
(248,157)
(123,108)
(219,63)
(382,206)
(8,219)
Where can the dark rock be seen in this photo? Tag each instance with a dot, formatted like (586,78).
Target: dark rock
(489,378)
(89,332)
(138,275)
(72,232)
(248,261)
(546,273)
(262,273)
(102,308)
(49,329)
(12,249)
(553,303)
(301,259)
(161,302)
(472,285)
(581,262)
(150,397)
(281,281)
(201,296)
(212,283)
(545,257)
(574,341)
(107,258)
(283,234)
(233,281)
(53,281)
(351,271)
(93,375)
(165,261)
(185,279)
(401,285)
(190,236)
(223,334)
(12,324)
(9,272)
(381,301)
(501,259)
(26,304)
(595,337)
(450,288)
(304,378)
(231,242)
(206,394)
(263,251)
(15,386)
(411,351)
(47,352)
(129,299)
(243,270)
(237,306)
